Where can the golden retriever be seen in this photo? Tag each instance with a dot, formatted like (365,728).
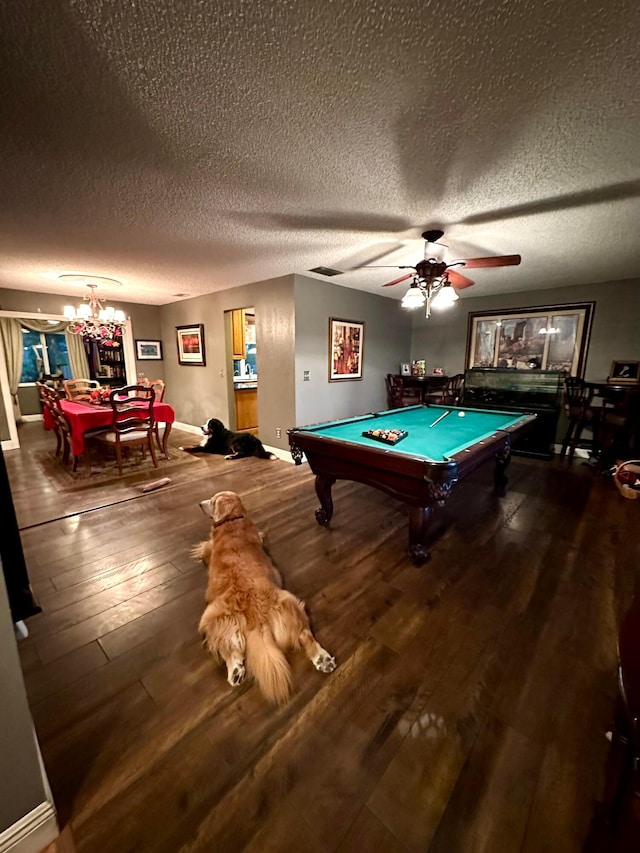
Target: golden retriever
(249,620)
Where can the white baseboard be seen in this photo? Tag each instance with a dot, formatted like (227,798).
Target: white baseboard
(32,833)
(285,455)
(188,428)
(30,418)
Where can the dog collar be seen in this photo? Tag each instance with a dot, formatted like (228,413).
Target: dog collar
(224,520)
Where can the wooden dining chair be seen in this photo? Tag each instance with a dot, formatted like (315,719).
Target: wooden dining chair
(61,426)
(398,395)
(132,422)
(158,388)
(450,394)
(80,389)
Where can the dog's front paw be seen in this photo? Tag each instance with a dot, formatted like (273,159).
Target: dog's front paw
(201,551)
(324,662)
(237,674)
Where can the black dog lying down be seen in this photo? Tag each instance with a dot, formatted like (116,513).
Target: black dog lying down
(231,445)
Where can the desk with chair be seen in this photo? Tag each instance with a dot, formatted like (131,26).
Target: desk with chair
(411,390)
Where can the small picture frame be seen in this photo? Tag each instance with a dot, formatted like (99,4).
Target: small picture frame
(148,350)
(405,369)
(190,342)
(346,349)
(438,371)
(624,372)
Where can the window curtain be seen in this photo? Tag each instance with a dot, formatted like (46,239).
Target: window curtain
(78,361)
(11,338)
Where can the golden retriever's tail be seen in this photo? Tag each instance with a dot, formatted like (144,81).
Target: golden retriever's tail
(268,665)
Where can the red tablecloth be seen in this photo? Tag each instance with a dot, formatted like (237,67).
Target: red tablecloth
(83,416)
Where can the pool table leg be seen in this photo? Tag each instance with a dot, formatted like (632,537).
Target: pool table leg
(503,457)
(323,490)
(419,523)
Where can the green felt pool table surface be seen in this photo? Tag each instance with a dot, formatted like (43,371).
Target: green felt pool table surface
(459,429)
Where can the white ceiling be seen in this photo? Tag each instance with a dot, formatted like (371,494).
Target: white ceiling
(189,147)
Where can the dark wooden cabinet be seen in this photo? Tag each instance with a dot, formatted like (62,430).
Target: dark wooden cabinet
(106,364)
(537,392)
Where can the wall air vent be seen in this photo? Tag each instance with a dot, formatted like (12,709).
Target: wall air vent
(326,271)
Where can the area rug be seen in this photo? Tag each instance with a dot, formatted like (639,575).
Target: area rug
(104,470)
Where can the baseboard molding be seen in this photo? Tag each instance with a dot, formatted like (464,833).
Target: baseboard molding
(285,455)
(32,833)
(188,428)
(31,418)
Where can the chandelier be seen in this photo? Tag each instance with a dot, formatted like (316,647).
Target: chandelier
(429,291)
(94,321)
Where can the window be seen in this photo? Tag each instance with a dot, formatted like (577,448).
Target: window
(44,353)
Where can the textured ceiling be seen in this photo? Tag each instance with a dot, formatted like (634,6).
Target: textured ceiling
(189,147)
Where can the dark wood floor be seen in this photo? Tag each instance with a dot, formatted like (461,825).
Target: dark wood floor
(468,711)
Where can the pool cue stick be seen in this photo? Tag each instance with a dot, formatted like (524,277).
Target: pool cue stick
(437,420)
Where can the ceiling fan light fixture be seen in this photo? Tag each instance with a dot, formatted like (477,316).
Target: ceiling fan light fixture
(414,297)
(445,297)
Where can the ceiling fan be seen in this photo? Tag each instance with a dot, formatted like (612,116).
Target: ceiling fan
(432,275)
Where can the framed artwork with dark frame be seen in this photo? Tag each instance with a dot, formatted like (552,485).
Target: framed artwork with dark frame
(148,350)
(624,372)
(346,349)
(190,341)
(550,337)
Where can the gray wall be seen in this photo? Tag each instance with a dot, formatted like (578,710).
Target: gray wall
(145,319)
(22,786)
(387,340)
(441,340)
(199,393)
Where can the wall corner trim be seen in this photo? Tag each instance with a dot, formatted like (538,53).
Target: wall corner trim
(33,832)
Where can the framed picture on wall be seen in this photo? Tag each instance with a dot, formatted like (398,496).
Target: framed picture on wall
(625,372)
(346,349)
(551,337)
(190,341)
(148,350)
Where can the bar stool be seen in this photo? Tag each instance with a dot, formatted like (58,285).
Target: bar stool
(582,415)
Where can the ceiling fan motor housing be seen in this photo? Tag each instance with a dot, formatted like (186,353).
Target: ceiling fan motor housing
(431,268)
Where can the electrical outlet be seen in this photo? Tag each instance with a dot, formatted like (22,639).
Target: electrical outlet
(221,373)
(278,432)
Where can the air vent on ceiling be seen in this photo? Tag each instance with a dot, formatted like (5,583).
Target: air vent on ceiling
(326,271)
(180,294)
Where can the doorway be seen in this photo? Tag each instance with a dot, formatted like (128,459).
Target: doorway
(242,361)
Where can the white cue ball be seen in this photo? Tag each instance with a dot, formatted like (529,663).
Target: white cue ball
(460,414)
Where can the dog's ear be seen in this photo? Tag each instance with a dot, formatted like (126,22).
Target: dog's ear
(224,505)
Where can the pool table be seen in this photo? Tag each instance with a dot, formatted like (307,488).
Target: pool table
(443,445)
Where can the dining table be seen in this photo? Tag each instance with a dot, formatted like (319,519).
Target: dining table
(84,416)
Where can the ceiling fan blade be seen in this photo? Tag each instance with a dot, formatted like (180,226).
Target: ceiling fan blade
(458,280)
(502,261)
(398,280)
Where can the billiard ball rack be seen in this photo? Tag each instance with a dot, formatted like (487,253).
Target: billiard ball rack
(386,436)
